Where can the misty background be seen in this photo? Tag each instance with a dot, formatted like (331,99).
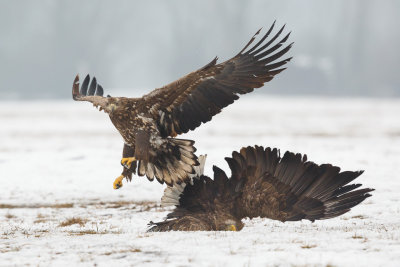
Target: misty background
(341,47)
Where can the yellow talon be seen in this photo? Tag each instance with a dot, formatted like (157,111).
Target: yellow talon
(118,182)
(127,162)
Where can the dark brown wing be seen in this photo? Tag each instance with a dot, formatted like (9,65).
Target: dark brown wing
(200,206)
(195,207)
(262,185)
(292,188)
(188,222)
(195,98)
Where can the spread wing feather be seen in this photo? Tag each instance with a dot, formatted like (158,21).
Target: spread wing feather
(92,93)
(195,98)
(291,188)
(263,184)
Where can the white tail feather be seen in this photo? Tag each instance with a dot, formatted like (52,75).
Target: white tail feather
(172,194)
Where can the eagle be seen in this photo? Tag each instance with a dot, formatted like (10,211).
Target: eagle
(149,124)
(263,184)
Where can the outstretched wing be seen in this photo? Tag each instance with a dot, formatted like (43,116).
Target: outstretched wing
(195,98)
(262,185)
(292,188)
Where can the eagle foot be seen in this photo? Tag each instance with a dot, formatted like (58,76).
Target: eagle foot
(127,162)
(118,182)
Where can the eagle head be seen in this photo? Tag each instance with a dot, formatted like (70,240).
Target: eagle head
(111,105)
(106,104)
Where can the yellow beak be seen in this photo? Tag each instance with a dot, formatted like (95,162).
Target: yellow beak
(232,228)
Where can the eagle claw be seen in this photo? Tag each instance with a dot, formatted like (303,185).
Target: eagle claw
(127,162)
(118,182)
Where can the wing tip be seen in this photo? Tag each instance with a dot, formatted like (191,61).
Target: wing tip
(81,90)
(75,87)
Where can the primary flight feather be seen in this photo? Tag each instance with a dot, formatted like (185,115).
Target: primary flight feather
(149,124)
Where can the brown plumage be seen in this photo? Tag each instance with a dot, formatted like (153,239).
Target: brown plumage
(149,124)
(262,185)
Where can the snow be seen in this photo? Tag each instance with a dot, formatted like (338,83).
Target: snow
(58,160)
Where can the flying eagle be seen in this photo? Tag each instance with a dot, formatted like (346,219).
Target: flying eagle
(149,124)
(262,185)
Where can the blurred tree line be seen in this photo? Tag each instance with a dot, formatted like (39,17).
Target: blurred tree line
(341,47)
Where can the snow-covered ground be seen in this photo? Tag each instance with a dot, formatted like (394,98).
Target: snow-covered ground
(58,161)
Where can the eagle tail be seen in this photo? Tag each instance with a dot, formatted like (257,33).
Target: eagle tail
(172,194)
(174,164)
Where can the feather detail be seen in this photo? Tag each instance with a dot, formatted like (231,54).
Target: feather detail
(194,99)
(172,193)
(263,184)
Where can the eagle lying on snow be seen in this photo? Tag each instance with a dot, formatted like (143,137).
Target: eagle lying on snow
(262,185)
(150,124)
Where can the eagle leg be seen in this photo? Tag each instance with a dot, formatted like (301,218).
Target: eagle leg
(118,182)
(127,162)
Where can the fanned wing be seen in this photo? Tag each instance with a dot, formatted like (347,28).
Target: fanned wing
(291,188)
(195,98)
(262,185)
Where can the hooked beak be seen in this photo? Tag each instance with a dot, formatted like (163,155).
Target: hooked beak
(231,228)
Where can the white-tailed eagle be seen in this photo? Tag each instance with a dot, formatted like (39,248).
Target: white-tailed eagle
(263,184)
(149,124)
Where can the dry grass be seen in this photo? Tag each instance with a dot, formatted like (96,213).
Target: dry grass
(10,216)
(355,236)
(9,249)
(131,250)
(73,220)
(358,217)
(41,220)
(140,205)
(84,232)
(37,206)
(144,235)
(307,246)
(118,204)
(40,233)
(93,232)
(62,206)
(149,207)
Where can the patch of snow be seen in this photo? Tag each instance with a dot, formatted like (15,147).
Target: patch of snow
(58,160)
